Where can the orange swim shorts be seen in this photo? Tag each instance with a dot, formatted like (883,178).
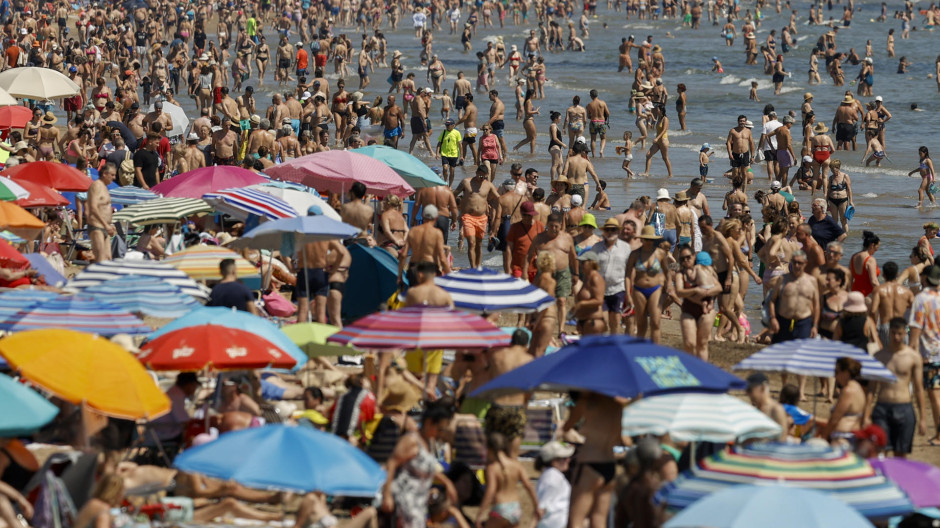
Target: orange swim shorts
(474,226)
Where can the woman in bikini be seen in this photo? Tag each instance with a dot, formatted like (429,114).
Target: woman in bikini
(696,285)
(910,277)
(589,300)
(821,148)
(863,266)
(575,117)
(839,193)
(733,232)
(500,507)
(529,122)
(262,55)
(925,168)
(849,409)
(644,281)
(393,227)
(556,145)
(545,323)
(340,110)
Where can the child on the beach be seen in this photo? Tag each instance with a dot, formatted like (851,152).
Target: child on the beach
(446,104)
(753,95)
(716,66)
(627,151)
(703,160)
(601,201)
(500,507)
(875,149)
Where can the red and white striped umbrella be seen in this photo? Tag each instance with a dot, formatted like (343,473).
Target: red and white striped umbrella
(426,328)
(243,202)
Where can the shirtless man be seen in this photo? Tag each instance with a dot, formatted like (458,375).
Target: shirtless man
(393,122)
(246,107)
(576,169)
(420,125)
(532,46)
(890,300)
(845,123)
(100,226)
(717,246)
(312,279)
(462,87)
(135,122)
(338,261)
(740,144)
(785,156)
(697,200)
(157,116)
(598,120)
(469,120)
(758,391)
(193,157)
(893,411)
(794,303)
(497,114)
(510,204)
(227,109)
(261,138)
(478,197)
(560,243)
(443,199)
(424,292)
(225,144)
(426,244)
(294,110)
(355,212)
(815,257)
(507,415)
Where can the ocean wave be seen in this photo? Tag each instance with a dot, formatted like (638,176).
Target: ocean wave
(873,171)
(639,26)
(789,89)
(762,84)
(680,132)
(869,195)
(730,79)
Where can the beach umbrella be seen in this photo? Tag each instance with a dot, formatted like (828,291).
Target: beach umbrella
(11,258)
(196,183)
(615,365)
(6,99)
(235,319)
(336,171)
(40,195)
(219,347)
(130,195)
(11,190)
(842,474)
(86,369)
(373,278)
(414,171)
(78,313)
(919,480)
(813,357)
(58,176)
(11,237)
(289,234)
(144,295)
(18,220)
(286,458)
(177,115)
(427,328)
(311,338)
(37,83)
(300,200)
(241,203)
(14,117)
(45,270)
(201,262)
(97,273)
(22,410)
(697,417)
(161,211)
(769,507)
(481,290)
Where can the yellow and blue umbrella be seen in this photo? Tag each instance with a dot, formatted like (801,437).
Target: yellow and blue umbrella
(201,262)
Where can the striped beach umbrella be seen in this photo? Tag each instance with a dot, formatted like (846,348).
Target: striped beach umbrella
(131,195)
(843,474)
(426,328)
(161,211)
(78,313)
(145,295)
(298,197)
(697,417)
(11,190)
(813,357)
(487,291)
(100,272)
(240,203)
(201,262)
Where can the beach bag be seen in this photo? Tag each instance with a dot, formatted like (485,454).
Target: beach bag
(933,188)
(126,174)
(276,305)
(54,507)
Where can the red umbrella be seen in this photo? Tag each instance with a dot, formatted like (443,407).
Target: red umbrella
(39,195)
(11,258)
(426,328)
(195,183)
(220,347)
(14,116)
(59,176)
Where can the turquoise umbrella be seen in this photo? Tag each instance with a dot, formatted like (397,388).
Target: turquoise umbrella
(410,168)
(22,410)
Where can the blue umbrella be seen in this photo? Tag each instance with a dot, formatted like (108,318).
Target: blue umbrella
(290,233)
(410,168)
(286,458)
(372,280)
(22,410)
(768,507)
(487,291)
(146,295)
(813,357)
(615,365)
(236,319)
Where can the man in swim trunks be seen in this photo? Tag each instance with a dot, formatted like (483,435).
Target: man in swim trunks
(497,114)
(561,245)
(392,122)
(100,226)
(479,206)
(740,144)
(785,156)
(599,116)
(470,131)
(462,87)
(793,304)
(845,123)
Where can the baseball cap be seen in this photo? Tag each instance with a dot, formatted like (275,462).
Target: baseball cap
(528,209)
(554,450)
(757,378)
(775,184)
(450,121)
(576,200)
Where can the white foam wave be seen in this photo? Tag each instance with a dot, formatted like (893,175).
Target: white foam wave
(762,84)
(789,89)
(638,26)
(869,195)
(730,79)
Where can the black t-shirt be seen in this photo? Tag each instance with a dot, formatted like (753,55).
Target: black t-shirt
(140,37)
(148,161)
(199,39)
(826,230)
(230,295)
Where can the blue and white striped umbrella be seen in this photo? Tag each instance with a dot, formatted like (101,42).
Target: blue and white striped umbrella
(79,313)
(97,273)
(131,195)
(813,357)
(146,295)
(242,202)
(697,417)
(486,291)
(12,301)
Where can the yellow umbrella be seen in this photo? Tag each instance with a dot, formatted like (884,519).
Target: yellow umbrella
(86,369)
(202,262)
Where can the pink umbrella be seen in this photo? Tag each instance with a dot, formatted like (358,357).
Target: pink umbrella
(195,183)
(337,170)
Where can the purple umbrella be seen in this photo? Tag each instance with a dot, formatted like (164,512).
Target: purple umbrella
(920,481)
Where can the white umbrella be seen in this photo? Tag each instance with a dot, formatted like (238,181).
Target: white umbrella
(37,83)
(697,417)
(6,99)
(301,201)
(179,117)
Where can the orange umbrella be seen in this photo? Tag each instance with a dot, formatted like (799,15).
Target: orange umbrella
(86,369)
(19,220)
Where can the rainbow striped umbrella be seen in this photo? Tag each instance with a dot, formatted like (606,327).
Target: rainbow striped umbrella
(147,295)
(78,313)
(240,203)
(202,262)
(421,327)
(840,473)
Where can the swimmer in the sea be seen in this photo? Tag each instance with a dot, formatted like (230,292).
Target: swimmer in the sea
(753,95)
(716,66)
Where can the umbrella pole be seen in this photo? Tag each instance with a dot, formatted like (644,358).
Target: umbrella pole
(306,288)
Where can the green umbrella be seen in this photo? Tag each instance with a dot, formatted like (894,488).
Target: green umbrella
(410,168)
(11,191)
(311,338)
